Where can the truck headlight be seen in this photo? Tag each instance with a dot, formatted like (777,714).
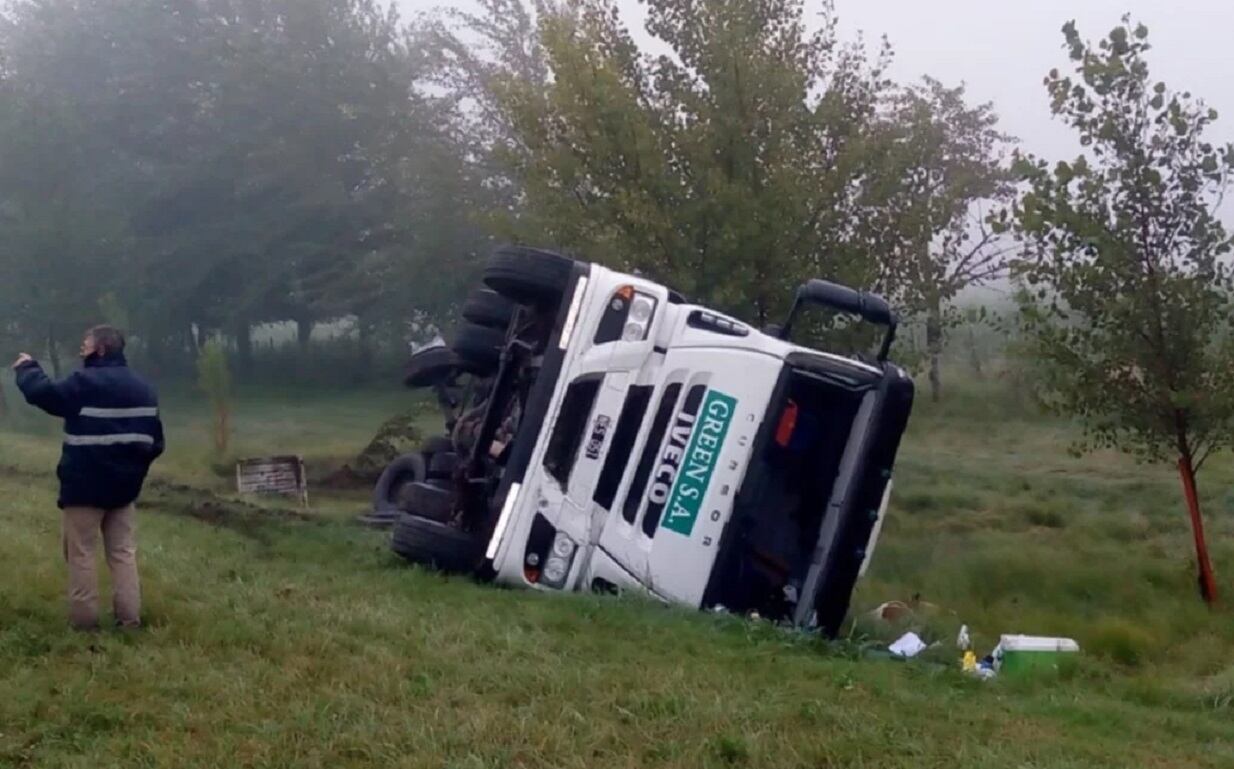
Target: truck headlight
(628,317)
(555,570)
(642,308)
(562,546)
(560,559)
(638,322)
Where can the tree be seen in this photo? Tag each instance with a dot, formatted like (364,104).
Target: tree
(206,165)
(214,381)
(1132,311)
(467,54)
(731,169)
(284,183)
(946,166)
(64,234)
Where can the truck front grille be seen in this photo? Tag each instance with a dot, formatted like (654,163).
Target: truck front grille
(619,454)
(651,451)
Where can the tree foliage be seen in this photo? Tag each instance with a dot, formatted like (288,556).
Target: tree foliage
(212,164)
(731,168)
(1133,300)
(948,181)
(1133,304)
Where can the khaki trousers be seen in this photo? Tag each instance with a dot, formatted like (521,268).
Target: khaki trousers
(81,535)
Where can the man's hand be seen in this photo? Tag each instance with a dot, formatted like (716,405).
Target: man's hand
(22,360)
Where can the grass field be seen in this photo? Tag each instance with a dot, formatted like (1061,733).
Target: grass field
(275,641)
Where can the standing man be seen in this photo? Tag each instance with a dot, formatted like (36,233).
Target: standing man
(112,433)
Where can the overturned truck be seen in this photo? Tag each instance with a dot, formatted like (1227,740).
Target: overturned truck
(602,433)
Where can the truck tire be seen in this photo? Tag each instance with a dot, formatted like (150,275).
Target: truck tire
(435,545)
(430,367)
(441,466)
(378,519)
(529,276)
(403,471)
(434,445)
(486,307)
(427,500)
(479,347)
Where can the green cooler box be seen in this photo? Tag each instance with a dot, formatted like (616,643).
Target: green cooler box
(1028,654)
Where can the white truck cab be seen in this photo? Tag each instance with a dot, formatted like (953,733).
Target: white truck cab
(665,448)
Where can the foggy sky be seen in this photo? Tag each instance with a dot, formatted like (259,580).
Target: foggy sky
(1002,50)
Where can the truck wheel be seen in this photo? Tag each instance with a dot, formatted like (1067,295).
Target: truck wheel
(434,544)
(434,445)
(529,276)
(486,307)
(480,347)
(427,501)
(441,466)
(400,473)
(431,367)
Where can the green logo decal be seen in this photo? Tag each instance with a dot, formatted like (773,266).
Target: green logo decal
(699,462)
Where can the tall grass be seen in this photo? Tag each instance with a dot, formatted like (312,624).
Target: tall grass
(995,522)
(284,642)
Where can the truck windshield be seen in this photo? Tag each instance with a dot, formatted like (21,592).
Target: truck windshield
(785,495)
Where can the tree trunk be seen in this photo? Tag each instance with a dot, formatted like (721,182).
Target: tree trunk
(156,354)
(365,329)
(760,312)
(975,355)
(244,345)
(202,337)
(190,338)
(4,403)
(303,368)
(304,332)
(222,427)
(1207,582)
(934,347)
(53,352)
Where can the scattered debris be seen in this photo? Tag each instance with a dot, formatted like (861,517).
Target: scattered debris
(273,475)
(908,645)
(962,640)
(985,669)
(1020,654)
(898,612)
(892,611)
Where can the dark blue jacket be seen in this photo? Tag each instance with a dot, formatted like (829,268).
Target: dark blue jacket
(112,430)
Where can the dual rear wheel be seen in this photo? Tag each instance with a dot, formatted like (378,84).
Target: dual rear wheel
(426,530)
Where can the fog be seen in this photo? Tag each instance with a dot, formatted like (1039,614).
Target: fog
(202,176)
(1001,51)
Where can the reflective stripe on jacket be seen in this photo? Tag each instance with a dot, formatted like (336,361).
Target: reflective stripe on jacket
(112,430)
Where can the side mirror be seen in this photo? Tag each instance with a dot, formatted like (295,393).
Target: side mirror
(869,307)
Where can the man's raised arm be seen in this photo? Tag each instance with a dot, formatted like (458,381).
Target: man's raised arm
(56,398)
